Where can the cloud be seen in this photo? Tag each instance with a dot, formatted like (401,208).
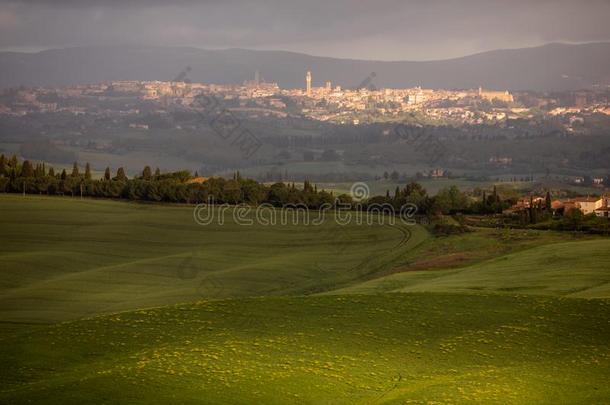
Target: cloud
(383,29)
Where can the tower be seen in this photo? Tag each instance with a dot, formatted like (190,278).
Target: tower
(308,80)
(257,77)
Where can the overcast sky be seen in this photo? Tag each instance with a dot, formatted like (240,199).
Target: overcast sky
(377,29)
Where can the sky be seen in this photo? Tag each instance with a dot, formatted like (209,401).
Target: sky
(359,29)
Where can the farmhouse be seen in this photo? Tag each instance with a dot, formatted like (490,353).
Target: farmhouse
(604,210)
(587,205)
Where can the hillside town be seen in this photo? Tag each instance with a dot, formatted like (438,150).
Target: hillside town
(364,104)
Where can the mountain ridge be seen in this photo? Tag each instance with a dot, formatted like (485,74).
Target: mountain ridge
(551,67)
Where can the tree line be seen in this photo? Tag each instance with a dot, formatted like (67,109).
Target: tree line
(182,187)
(175,187)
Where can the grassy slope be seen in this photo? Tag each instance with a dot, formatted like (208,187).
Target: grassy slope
(391,348)
(87,257)
(65,258)
(477,246)
(572,269)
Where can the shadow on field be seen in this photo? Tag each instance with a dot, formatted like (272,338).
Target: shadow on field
(209,286)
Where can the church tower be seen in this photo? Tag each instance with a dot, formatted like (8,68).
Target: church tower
(308,80)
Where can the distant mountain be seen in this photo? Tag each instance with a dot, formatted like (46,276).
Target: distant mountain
(549,67)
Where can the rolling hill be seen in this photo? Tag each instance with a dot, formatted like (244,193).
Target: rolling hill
(114,302)
(569,269)
(374,349)
(63,258)
(544,68)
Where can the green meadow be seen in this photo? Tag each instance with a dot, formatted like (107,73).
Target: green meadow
(569,269)
(65,258)
(394,348)
(116,302)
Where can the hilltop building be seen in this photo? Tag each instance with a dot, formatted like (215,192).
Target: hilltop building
(416,97)
(308,83)
(496,95)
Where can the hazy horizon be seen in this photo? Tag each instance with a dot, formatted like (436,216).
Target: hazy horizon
(384,31)
(31,50)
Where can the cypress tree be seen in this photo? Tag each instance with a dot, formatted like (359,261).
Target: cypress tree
(120,174)
(75,170)
(157,173)
(87,171)
(39,172)
(548,202)
(107,174)
(64,175)
(147,173)
(27,170)
(2,165)
(51,172)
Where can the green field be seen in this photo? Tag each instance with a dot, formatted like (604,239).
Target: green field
(64,258)
(395,348)
(570,269)
(114,302)
(432,186)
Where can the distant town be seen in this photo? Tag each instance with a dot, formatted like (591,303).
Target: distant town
(257,98)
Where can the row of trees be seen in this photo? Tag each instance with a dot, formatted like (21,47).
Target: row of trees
(575,220)
(176,187)
(13,168)
(447,201)
(179,187)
